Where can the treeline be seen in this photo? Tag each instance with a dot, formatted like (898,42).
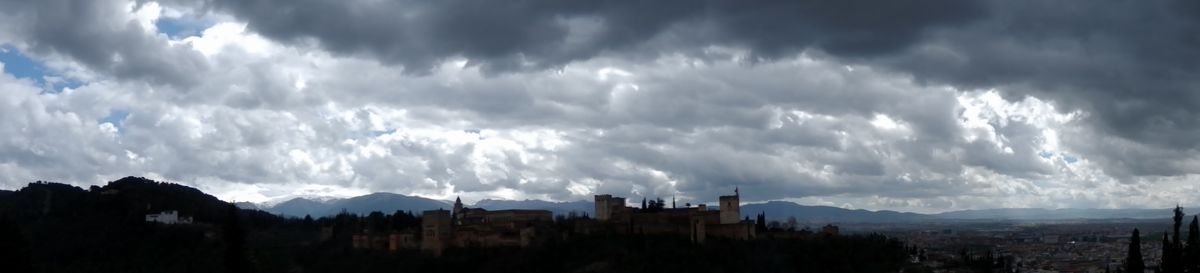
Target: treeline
(634,253)
(1177,256)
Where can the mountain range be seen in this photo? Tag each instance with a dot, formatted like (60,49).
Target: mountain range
(774,210)
(384,202)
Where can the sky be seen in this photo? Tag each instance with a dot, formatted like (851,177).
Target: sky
(921,106)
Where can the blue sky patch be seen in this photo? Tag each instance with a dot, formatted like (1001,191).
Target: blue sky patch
(181,27)
(21,66)
(117,118)
(1045,154)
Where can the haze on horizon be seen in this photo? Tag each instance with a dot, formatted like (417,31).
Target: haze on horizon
(922,106)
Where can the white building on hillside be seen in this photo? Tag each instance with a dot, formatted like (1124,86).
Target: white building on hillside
(170,217)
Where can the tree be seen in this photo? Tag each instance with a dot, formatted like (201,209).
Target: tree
(656,205)
(1169,262)
(236,258)
(1172,259)
(1178,222)
(1133,260)
(760,222)
(14,249)
(376,222)
(1191,255)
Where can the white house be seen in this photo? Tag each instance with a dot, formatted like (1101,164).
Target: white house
(170,217)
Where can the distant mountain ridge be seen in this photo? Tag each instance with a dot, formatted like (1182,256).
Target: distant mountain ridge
(774,210)
(558,208)
(380,201)
(1058,214)
(779,210)
(390,202)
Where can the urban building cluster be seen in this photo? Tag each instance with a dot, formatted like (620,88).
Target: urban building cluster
(1044,248)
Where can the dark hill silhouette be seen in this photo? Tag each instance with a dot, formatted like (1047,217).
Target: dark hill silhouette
(247,206)
(558,208)
(382,201)
(142,196)
(104,229)
(779,210)
(299,207)
(360,205)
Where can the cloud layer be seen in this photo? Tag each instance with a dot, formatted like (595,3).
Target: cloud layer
(922,106)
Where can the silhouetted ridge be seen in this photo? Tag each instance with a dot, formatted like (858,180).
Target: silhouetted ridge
(105,228)
(558,208)
(779,210)
(361,205)
(154,197)
(383,201)
(299,207)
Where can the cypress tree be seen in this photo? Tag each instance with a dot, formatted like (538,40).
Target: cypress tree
(1178,223)
(1174,253)
(1133,260)
(1191,256)
(236,258)
(760,222)
(1169,262)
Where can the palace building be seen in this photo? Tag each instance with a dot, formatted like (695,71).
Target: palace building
(698,223)
(475,227)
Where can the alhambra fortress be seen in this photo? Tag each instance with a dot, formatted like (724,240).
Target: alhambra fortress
(474,227)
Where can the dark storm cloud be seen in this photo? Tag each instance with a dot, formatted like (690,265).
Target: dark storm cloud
(100,35)
(512,35)
(1134,66)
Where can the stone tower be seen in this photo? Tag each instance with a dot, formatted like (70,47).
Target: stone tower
(436,232)
(606,205)
(731,208)
(458,206)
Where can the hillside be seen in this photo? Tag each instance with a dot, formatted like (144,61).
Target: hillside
(778,210)
(558,208)
(71,229)
(300,207)
(361,205)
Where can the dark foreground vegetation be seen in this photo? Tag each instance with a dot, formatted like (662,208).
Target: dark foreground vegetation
(601,253)
(50,227)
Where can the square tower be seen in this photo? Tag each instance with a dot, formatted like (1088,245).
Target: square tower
(730,209)
(602,212)
(436,232)
(607,205)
